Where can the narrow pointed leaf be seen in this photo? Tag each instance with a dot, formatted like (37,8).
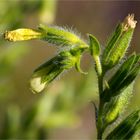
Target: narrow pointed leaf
(127,128)
(94,46)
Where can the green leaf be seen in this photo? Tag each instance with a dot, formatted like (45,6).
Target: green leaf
(127,128)
(130,78)
(123,71)
(123,77)
(94,46)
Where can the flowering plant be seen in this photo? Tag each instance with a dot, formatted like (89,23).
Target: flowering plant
(114,93)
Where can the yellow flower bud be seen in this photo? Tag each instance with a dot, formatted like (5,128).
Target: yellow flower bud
(21,34)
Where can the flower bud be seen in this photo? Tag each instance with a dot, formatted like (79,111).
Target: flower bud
(21,34)
(117,105)
(47,72)
(119,42)
(54,35)
(60,36)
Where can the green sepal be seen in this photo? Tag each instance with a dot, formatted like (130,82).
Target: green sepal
(130,78)
(117,105)
(77,65)
(60,36)
(112,42)
(94,46)
(119,42)
(124,76)
(110,45)
(119,51)
(122,71)
(127,128)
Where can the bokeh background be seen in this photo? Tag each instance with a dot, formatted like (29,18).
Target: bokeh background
(64,110)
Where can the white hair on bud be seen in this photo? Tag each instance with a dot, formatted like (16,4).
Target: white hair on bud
(71,29)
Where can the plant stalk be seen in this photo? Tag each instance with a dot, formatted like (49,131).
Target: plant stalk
(99,121)
(100,74)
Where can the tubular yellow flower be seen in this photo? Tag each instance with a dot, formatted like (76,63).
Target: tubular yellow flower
(54,35)
(21,34)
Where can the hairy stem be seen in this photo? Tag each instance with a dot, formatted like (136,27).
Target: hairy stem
(100,74)
(99,121)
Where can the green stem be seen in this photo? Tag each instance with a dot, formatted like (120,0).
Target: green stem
(98,67)
(99,136)
(100,74)
(99,122)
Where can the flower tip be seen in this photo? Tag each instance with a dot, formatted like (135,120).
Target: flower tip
(36,85)
(8,36)
(129,22)
(21,34)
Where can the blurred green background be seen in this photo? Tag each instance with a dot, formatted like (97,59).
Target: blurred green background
(64,111)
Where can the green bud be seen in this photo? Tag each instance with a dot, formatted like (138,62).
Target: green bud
(127,128)
(47,72)
(117,105)
(118,43)
(60,36)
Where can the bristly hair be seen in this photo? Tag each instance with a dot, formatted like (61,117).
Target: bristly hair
(71,30)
